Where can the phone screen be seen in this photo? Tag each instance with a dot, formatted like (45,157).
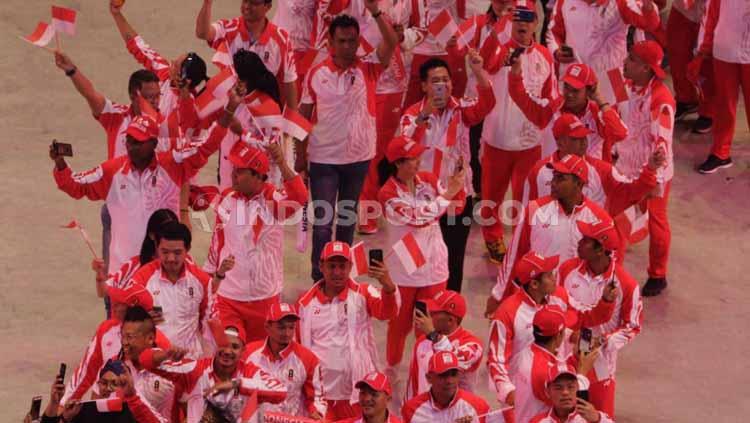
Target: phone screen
(36,407)
(61,373)
(584,395)
(63,149)
(375,254)
(584,344)
(421,306)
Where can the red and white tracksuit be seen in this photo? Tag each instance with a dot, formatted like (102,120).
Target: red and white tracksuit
(195,377)
(159,393)
(649,116)
(298,369)
(187,305)
(339,331)
(418,214)
(105,344)
(606,186)
(421,14)
(597,32)
(467,348)
(133,195)
(529,375)
(251,229)
(510,141)
(727,38)
(683,28)
(511,332)
(584,290)
(446,133)
(549,416)
(607,126)
(391,419)
(546,229)
(422,409)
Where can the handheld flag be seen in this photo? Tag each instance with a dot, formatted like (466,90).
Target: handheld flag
(409,253)
(64,20)
(360,264)
(295,124)
(42,35)
(443,27)
(75,225)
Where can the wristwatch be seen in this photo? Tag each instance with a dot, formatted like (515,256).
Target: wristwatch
(377,14)
(71,72)
(433,336)
(219,277)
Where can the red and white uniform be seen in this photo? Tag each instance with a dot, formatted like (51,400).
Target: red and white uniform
(511,333)
(105,344)
(607,126)
(296,18)
(625,324)
(597,31)
(299,370)
(132,195)
(391,419)
(159,393)
(339,331)
(422,409)
(187,304)
(606,186)
(727,37)
(419,214)
(141,410)
(446,133)
(344,113)
(273,47)
(251,230)
(466,347)
(550,417)
(545,228)
(122,278)
(510,141)
(195,377)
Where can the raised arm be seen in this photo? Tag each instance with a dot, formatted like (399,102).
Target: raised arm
(126,31)
(82,84)
(93,184)
(390,39)
(203,28)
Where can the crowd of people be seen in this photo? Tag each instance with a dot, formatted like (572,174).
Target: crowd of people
(417,135)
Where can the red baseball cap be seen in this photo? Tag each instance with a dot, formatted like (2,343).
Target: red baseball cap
(443,361)
(131,297)
(280,310)
(201,196)
(377,381)
(447,301)
(143,128)
(336,249)
(603,231)
(403,147)
(532,265)
(571,165)
(561,368)
(550,320)
(245,156)
(651,53)
(579,75)
(236,331)
(569,124)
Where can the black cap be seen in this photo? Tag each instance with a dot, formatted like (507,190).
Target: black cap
(194,69)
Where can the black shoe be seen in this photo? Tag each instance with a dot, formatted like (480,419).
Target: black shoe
(684,109)
(713,163)
(702,125)
(654,287)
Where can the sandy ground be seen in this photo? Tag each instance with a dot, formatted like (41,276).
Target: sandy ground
(688,365)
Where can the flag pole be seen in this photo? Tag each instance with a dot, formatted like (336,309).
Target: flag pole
(49,49)
(58,42)
(86,238)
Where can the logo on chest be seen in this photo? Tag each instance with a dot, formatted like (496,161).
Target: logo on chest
(266,56)
(290,375)
(191,292)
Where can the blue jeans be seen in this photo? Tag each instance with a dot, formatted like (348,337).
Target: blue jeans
(337,185)
(106,239)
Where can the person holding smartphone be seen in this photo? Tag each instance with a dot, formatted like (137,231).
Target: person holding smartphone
(594,270)
(442,123)
(413,202)
(561,389)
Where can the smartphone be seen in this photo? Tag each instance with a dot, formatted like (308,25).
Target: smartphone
(62,149)
(375,254)
(515,55)
(523,15)
(158,309)
(567,50)
(36,408)
(584,395)
(584,343)
(61,373)
(421,306)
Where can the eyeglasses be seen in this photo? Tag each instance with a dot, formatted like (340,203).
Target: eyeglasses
(109,384)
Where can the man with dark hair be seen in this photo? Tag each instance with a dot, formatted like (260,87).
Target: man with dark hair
(375,393)
(561,388)
(181,289)
(342,91)
(254,32)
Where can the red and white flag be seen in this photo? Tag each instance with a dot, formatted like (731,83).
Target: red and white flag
(443,27)
(369,40)
(409,253)
(295,124)
(466,31)
(64,20)
(222,58)
(265,113)
(360,264)
(109,405)
(42,35)
(633,223)
(250,412)
(612,86)
(73,224)
(215,95)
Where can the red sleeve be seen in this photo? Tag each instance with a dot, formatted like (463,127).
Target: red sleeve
(409,125)
(519,246)
(500,350)
(88,370)
(475,113)
(598,315)
(269,389)
(94,184)
(538,111)
(184,373)
(409,408)
(286,203)
(183,165)
(556,32)
(646,21)
(380,305)
(712,17)
(148,57)
(312,390)
(621,192)
(142,411)
(611,128)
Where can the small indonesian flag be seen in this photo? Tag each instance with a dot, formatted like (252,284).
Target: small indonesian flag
(295,124)
(443,27)
(64,20)
(466,31)
(409,253)
(222,58)
(613,87)
(359,260)
(369,40)
(109,405)
(42,35)
(265,113)
(72,225)
(215,95)
(250,412)
(633,224)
